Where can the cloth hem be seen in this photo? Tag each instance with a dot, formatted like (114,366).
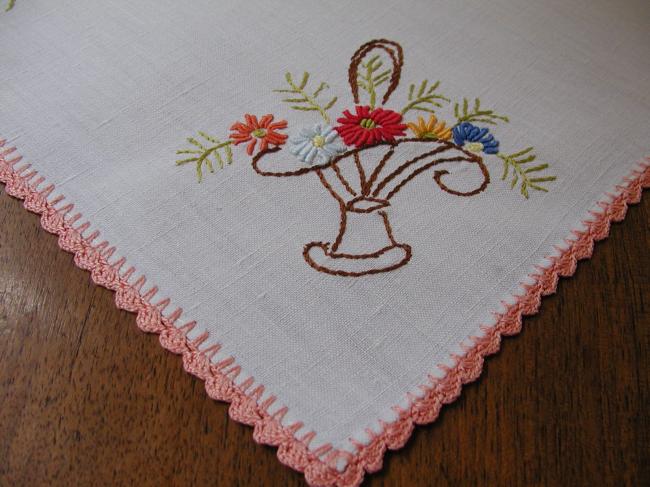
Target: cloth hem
(324,466)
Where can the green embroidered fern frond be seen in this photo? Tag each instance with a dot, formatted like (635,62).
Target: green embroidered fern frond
(425,98)
(371,78)
(10,5)
(306,101)
(206,153)
(476,114)
(525,175)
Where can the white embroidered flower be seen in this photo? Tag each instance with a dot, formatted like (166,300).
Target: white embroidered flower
(317,144)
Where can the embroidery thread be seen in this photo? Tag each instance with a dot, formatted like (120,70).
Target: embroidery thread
(201,154)
(264,131)
(367,159)
(433,129)
(516,161)
(306,102)
(10,5)
(425,96)
(476,115)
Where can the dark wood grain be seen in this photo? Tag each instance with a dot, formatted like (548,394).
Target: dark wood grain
(87,399)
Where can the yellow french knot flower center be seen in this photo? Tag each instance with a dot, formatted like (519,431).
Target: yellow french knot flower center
(368,123)
(259,133)
(318,141)
(475,147)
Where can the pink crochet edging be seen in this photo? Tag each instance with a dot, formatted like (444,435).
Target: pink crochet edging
(468,367)
(245,406)
(319,466)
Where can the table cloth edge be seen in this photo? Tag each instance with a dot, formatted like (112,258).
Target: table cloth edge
(323,466)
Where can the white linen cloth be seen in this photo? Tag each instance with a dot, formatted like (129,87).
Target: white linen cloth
(99,96)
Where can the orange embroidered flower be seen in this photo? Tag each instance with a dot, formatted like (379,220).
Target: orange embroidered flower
(262,130)
(431,129)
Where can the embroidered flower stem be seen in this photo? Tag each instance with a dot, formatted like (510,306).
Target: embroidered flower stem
(371,80)
(205,154)
(306,102)
(516,161)
(419,101)
(476,115)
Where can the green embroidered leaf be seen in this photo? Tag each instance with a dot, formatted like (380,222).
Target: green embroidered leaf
(330,104)
(371,78)
(476,114)
(320,88)
(425,98)
(10,5)
(206,153)
(306,101)
(513,166)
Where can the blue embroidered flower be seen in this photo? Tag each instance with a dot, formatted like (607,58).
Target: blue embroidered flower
(318,144)
(475,139)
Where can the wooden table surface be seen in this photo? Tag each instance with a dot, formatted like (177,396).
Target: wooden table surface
(87,399)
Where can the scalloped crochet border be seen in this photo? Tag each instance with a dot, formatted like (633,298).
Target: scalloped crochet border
(319,466)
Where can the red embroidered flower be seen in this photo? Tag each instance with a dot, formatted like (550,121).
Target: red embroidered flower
(370,126)
(263,130)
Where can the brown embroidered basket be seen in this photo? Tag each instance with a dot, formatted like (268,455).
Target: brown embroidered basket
(364,180)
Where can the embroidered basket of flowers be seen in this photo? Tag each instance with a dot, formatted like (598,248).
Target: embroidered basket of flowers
(368,156)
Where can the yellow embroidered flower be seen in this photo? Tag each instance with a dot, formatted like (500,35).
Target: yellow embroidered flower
(431,129)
